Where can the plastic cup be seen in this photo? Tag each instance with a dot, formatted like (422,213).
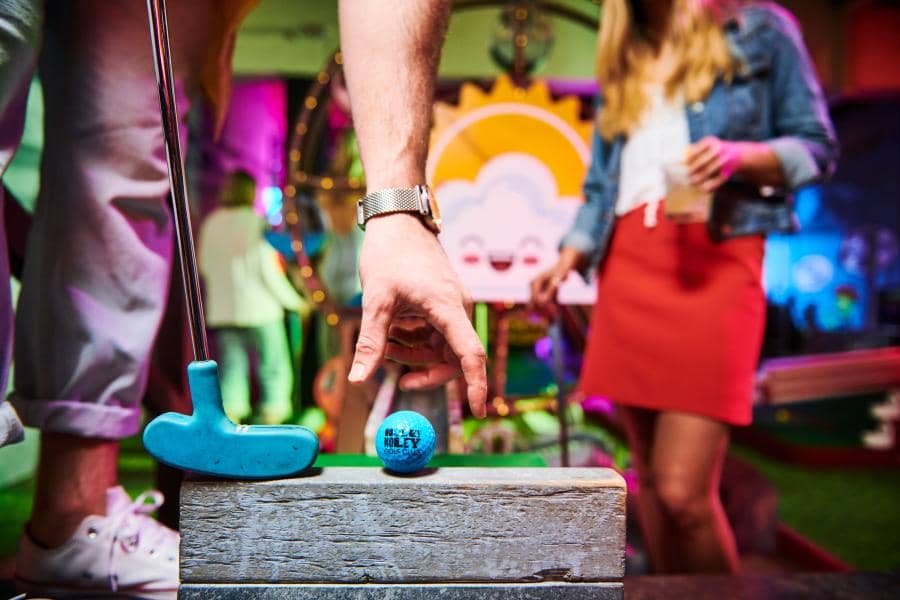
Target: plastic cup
(684,202)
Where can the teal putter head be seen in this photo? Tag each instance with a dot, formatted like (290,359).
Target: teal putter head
(208,442)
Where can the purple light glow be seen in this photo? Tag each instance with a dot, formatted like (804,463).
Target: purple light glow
(597,405)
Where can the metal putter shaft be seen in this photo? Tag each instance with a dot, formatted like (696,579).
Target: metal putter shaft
(207,441)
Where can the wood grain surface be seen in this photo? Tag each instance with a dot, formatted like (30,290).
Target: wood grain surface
(363,525)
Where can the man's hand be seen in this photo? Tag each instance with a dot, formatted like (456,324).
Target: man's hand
(406,276)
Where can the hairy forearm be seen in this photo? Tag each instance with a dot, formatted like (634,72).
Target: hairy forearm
(759,164)
(391,51)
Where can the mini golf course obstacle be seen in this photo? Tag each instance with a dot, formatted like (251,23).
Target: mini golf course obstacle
(817,376)
(452,533)
(799,381)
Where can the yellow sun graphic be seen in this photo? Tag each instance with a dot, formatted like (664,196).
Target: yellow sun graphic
(509,119)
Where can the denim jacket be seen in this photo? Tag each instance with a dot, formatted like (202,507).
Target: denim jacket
(773,97)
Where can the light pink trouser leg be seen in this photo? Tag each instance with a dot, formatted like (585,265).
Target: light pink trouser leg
(99,253)
(20,24)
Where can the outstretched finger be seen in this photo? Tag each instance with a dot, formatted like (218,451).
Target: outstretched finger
(376,319)
(453,323)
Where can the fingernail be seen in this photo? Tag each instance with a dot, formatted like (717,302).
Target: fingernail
(357,372)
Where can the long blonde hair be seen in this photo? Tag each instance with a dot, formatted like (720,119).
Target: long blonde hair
(625,54)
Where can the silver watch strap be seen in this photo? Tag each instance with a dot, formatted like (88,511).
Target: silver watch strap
(390,201)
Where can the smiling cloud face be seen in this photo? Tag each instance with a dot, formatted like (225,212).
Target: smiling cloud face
(503,230)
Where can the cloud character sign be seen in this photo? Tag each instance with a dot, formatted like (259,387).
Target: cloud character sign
(506,167)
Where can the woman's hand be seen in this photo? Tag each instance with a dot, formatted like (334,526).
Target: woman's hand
(545,286)
(711,162)
(543,291)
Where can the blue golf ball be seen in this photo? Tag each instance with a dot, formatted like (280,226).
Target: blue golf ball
(405,442)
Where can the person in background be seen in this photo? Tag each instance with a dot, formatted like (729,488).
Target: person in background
(725,93)
(246,296)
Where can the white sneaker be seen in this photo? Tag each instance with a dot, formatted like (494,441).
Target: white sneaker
(123,554)
(881,438)
(889,410)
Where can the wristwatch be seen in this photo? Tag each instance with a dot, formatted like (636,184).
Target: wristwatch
(417,200)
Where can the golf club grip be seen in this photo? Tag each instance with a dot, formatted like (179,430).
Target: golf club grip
(162,61)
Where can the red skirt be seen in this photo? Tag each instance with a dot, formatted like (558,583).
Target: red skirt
(678,321)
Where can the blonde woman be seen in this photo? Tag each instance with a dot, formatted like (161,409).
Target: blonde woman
(726,93)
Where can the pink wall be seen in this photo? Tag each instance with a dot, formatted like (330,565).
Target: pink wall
(252,139)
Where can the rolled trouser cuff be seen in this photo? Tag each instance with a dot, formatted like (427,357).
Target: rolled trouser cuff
(797,161)
(83,419)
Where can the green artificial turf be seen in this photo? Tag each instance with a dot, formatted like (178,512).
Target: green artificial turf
(853,513)
(15,506)
(520,459)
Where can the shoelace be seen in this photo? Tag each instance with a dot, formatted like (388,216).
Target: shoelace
(131,522)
